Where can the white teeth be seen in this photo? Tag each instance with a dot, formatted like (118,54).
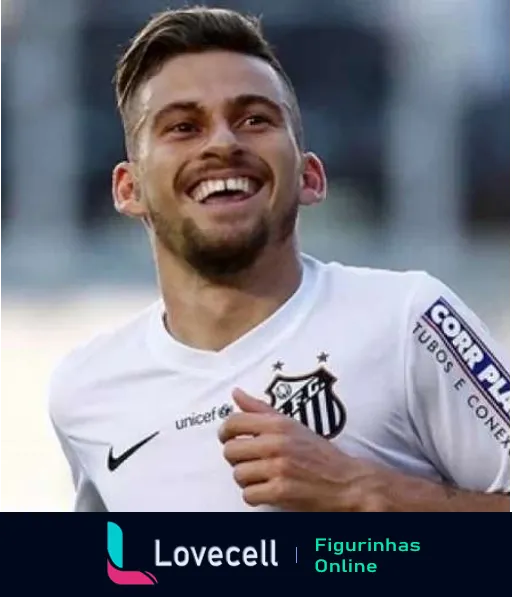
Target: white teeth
(207,187)
(231,184)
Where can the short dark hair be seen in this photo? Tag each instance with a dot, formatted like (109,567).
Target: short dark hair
(192,30)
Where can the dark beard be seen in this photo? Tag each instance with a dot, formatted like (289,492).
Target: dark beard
(219,261)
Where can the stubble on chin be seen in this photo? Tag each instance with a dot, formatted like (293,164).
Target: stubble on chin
(220,259)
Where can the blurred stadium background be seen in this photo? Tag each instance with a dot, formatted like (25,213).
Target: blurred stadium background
(406,101)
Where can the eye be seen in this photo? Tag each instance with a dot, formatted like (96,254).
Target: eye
(256,120)
(183,128)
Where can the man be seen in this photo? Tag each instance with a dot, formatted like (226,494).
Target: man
(263,379)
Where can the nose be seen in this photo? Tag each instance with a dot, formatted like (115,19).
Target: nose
(221,143)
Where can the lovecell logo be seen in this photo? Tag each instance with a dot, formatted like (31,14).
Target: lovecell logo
(115,561)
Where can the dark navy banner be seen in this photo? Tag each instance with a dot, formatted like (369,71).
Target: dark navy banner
(404,554)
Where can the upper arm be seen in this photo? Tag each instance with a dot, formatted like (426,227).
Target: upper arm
(458,390)
(87,497)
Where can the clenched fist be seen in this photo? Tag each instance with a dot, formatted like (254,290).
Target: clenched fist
(278,461)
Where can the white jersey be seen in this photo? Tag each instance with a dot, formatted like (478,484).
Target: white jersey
(389,366)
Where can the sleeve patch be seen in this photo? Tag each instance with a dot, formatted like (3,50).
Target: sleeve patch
(474,357)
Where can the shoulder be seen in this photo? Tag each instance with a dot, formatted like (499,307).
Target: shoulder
(95,359)
(375,284)
(372,276)
(416,288)
(398,297)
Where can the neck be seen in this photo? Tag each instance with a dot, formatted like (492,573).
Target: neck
(210,316)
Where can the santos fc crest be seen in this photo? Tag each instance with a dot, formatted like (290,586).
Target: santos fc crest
(310,400)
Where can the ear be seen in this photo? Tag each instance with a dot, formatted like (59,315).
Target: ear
(314,182)
(126,192)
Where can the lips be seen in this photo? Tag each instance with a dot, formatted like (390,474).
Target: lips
(234,186)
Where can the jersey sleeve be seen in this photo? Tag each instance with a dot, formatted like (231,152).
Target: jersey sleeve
(457,379)
(87,498)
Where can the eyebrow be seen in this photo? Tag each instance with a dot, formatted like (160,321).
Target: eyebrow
(188,106)
(240,101)
(253,98)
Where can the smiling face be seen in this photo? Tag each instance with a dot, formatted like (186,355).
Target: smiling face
(218,173)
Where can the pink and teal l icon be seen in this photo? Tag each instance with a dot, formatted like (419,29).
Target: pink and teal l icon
(115,561)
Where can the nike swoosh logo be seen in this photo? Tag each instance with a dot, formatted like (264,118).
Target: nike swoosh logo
(116,461)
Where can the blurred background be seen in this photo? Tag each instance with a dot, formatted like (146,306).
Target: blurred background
(407,102)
